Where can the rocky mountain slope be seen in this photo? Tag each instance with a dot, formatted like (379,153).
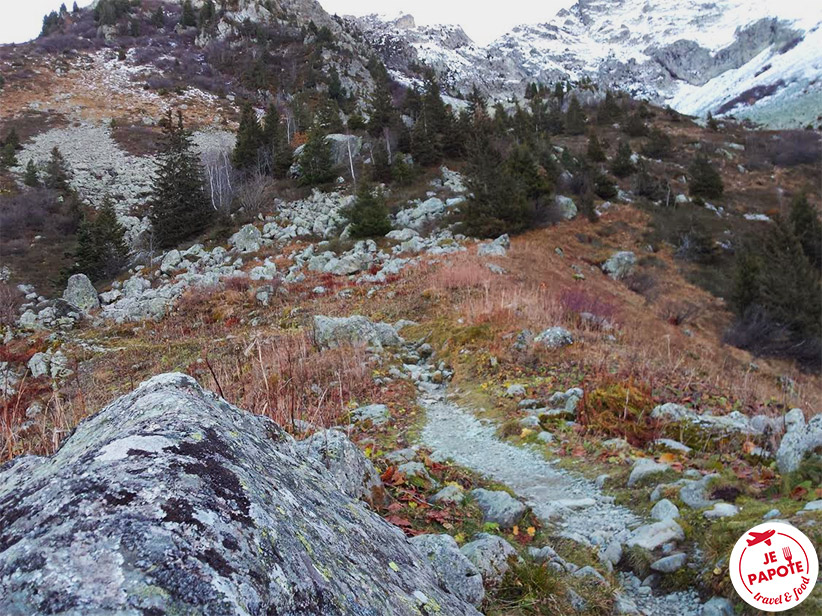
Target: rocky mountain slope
(752,60)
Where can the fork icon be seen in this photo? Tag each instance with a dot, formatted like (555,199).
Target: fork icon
(786,552)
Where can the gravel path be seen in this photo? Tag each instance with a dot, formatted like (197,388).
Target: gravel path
(573,505)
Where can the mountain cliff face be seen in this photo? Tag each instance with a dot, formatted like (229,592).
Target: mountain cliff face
(753,60)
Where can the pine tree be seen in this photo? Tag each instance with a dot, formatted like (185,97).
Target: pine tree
(609,110)
(381,168)
(635,125)
(658,145)
(57,174)
(498,202)
(369,214)
(711,122)
(807,227)
(8,156)
(622,166)
(249,140)
(335,89)
(31,177)
(179,205)
(315,161)
(789,287)
(575,118)
(101,247)
(605,187)
(426,144)
(75,9)
(158,17)
(207,14)
(275,142)
(188,18)
(745,291)
(704,180)
(595,152)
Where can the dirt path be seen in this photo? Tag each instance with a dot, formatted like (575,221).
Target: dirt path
(573,505)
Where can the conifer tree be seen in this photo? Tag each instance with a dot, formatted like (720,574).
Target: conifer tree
(335,89)
(789,287)
(8,156)
(605,187)
(622,166)
(249,140)
(575,118)
(57,173)
(315,161)
(426,144)
(745,291)
(75,9)
(381,168)
(498,202)
(807,227)
(188,18)
(595,152)
(609,110)
(635,125)
(368,215)
(101,246)
(658,145)
(179,206)
(207,14)
(711,122)
(158,18)
(275,141)
(31,177)
(704,180)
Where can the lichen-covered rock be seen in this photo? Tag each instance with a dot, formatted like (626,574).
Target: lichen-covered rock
(645,468)
(354,473)
(566,207)
(498,507)
(620,265)
(333,331)
(247,239)
(799,440)
(456,573)
(491,554)
(170,500)
(554,338)
(81,293)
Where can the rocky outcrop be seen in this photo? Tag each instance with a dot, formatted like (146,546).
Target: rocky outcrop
(170,500)
(334,331)
(800,439)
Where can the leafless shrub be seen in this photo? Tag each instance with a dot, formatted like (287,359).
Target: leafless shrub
(255,194)
(11,299)
(760,334)
(679,313)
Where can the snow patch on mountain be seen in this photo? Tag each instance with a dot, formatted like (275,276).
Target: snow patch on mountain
(751,59)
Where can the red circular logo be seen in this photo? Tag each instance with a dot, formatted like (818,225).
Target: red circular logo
(774,567)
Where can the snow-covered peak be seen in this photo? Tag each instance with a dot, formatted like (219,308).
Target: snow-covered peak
(724,56)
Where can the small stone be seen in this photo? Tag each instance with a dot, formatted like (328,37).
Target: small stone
(645,468)
(554,338)
(653,536)
(718,606)
(498,507)
(773,513)
(451,493)
(376,413)
(514,391)
(664,510)
(670,564)
(722,510)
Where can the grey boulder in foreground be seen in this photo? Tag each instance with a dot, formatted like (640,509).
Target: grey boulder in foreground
(172,501)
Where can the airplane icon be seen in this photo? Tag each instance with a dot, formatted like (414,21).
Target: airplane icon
(760,537)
